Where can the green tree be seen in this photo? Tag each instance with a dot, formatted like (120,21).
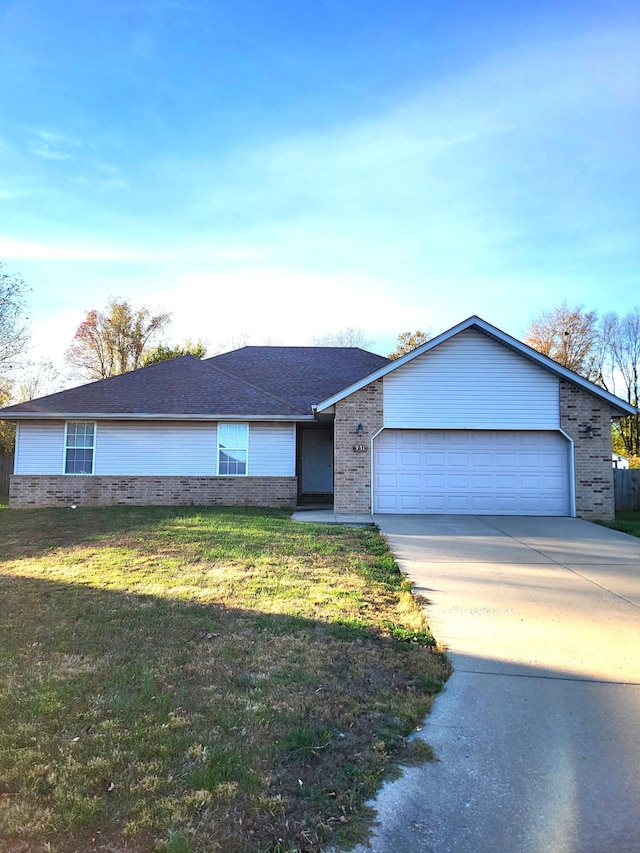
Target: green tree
(408,341)
(114,341)
(161,352)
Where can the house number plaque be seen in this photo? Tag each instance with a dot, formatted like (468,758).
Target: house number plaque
(360,448)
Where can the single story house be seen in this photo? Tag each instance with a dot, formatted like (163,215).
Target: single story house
(473,421)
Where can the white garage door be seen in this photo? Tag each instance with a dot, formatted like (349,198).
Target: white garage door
(471,471)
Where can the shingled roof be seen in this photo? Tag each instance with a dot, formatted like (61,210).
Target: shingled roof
(252,382)
(302,375)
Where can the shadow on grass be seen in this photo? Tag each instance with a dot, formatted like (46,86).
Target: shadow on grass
(133,717)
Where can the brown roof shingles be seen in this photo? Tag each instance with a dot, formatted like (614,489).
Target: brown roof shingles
(253,382)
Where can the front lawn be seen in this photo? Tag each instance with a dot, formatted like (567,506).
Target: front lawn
(201,680)
(627,522)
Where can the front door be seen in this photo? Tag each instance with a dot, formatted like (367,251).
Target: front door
(315,465)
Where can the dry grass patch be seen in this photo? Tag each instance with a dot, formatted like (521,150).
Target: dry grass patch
(194,680)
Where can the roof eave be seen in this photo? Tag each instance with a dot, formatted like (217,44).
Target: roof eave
(147,416)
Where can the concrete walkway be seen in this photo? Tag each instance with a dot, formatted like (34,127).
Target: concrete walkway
(329,516)
(537,733)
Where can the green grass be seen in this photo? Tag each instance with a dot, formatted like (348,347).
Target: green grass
(194,680)
(627,522)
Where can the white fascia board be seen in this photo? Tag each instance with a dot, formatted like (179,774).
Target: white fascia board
(496,334)
(142,416)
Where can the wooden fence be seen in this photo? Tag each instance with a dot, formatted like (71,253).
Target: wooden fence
(626,489)
(6,470)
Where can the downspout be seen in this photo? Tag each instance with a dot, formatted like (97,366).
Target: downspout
(572,473)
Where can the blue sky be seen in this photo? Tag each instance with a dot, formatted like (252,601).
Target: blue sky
(281,170)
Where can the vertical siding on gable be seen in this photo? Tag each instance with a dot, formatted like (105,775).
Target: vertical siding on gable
(471,382)
(272,450)
(39,447)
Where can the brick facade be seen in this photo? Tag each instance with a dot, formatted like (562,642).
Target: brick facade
(592,454)
(352,469)
(32,490)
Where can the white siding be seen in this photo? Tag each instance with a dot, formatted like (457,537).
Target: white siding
(471,382)
(156,449)
(272,450)
(40,447)
(182,449)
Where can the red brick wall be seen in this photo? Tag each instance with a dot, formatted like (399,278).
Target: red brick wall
(33,490)
(593,468)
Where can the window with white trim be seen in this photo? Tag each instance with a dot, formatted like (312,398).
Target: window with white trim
(80,443)
(233,446)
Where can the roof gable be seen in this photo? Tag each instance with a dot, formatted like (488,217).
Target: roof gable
(501,337)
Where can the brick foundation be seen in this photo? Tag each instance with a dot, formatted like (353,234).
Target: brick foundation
(31,490)
(352,470)
(592,454)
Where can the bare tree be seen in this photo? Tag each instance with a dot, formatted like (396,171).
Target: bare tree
(352,336)
(622,347)
(38,379)
(114,341)
(408,341)
(569,336)
(14,333)
(7,430)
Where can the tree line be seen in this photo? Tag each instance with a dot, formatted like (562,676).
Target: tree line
(119,338)
(605,350)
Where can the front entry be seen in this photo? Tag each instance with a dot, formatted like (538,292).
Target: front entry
(315,465)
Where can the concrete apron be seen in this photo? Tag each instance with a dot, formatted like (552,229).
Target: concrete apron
(537,733)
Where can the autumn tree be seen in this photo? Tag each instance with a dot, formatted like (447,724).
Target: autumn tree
(569,336)
(408,341)
(113,341)
(161,352)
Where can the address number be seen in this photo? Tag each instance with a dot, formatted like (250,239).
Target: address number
(360,448)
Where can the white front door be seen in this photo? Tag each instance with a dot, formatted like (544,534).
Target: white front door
(484,472)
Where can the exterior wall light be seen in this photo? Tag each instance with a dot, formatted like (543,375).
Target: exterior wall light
(359,430)
(588,431)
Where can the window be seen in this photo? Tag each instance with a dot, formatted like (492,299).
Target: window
(79,447)
(233,441)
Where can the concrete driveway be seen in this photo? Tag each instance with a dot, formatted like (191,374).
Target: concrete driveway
(537,733)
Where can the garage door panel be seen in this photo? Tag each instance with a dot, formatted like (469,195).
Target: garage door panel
(411,481)
(468,471)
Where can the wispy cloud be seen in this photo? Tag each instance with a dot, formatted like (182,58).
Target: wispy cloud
(50,145)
